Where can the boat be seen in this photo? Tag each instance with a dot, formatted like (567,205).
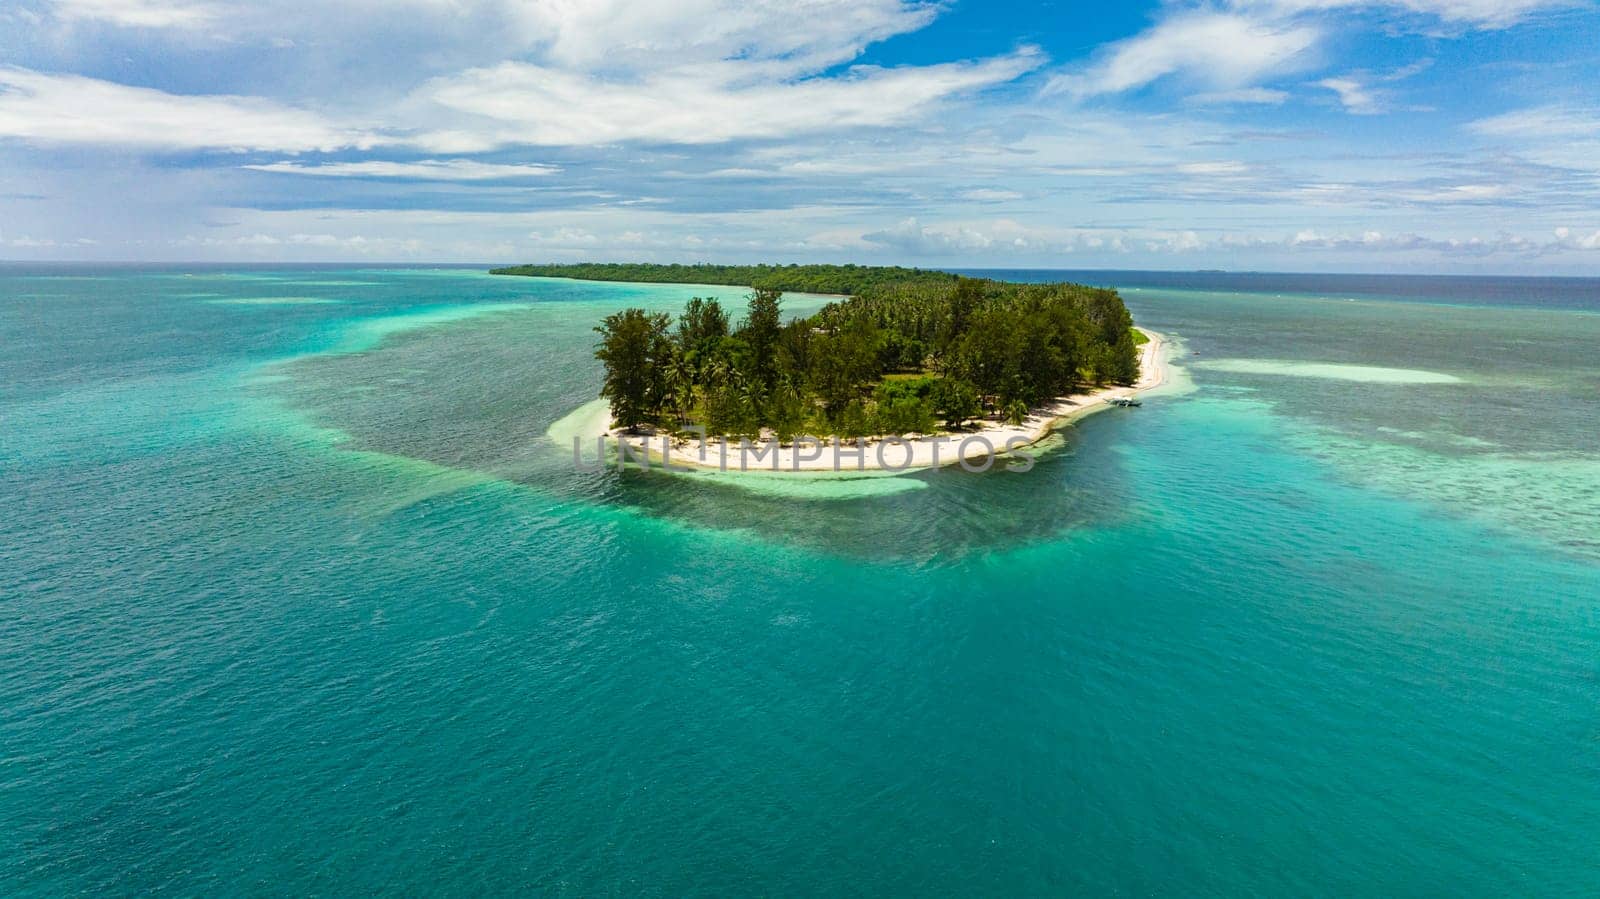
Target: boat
(1125,401)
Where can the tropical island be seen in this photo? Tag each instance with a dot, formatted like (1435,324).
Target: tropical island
(903,352)
(848,280)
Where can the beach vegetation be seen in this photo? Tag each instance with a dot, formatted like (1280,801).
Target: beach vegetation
(909,352)
(637,354)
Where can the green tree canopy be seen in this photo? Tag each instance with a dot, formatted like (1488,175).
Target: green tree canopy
(636,353)
(907,350)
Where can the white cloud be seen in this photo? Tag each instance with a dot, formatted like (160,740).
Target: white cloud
(1378,241)
(1457,194)
(138,13)
(652,70)
(1500,245)
(1005,238)
(1220,168)
(613,36)
(911,236)
(990,195)
(1225,50)
(1552,121)
(72,109)
(1566,238)
(1353,95)
(787,35)
(1235,46)
(424,170)
(565,238)
(523,103)
(1554,135)
(231,20)
(1001,238)
(1259,95)
(570,73)
(1478,13)
(1357,93)
(29,242)
(632,232)
(272,245)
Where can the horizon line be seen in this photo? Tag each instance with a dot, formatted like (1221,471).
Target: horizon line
(953,268)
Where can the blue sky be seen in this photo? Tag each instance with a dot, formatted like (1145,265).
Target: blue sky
(1390,135)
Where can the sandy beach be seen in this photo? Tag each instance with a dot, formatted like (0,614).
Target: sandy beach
(988,437)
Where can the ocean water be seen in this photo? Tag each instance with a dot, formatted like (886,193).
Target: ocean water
(297,595)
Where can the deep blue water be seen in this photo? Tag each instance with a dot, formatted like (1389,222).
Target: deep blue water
(299,597)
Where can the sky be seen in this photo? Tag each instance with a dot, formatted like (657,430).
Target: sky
(1294,135)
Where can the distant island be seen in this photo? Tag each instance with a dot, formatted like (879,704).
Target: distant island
(835,279)
(906,352)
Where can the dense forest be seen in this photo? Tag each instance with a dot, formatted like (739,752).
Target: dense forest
(850,280)
(910,352)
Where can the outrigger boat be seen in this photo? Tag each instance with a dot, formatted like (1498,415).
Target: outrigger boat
(1127,401)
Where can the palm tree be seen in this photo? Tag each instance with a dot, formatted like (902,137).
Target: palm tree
(1016,412)
(719,370)
(789,389)
(680,385)
(786,413)
(752,399)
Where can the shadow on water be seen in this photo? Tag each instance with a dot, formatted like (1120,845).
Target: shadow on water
(480,394)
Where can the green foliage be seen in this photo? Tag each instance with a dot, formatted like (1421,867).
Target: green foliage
(637,355)
(1016,412)
(854,421)
(702,322)
(904,407)
(840,279)
(786,414)
(843,363)
(1122,360)
(910,349)
(955,401)
(762,327)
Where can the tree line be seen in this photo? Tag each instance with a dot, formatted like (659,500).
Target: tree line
(913,355)
(850,280)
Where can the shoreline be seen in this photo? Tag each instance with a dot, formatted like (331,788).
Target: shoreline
(875,455)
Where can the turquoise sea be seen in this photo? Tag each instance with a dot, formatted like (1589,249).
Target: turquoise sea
(298,597)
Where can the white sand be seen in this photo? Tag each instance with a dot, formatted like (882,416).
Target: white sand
(1362,373)
(988,438)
